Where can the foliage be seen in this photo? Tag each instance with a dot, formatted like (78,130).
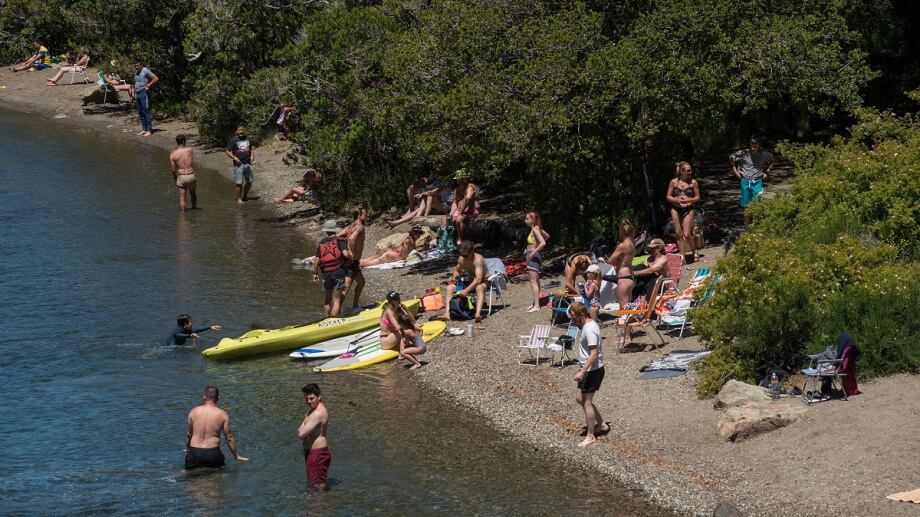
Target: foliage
(840,251)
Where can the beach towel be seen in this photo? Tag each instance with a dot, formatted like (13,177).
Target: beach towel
(672,365)
(908,497)
(414,258)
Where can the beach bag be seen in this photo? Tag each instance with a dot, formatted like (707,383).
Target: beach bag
(445,239)
(330,255)
(461,309)
(432,301)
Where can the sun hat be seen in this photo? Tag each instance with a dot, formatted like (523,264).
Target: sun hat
(331,226)
(593,268)
(655,243)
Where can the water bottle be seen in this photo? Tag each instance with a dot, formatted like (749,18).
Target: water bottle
(469,330)
(774,386)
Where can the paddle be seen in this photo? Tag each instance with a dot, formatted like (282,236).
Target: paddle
(358,339)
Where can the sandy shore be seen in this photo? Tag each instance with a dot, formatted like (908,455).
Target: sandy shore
(839,458)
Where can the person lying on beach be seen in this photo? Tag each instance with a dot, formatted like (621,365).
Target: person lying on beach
(38,61)
(575,265)
(303,187)
(471,273)
(77,67)
(431,197)
(185,331)
(395,253)
(206,423)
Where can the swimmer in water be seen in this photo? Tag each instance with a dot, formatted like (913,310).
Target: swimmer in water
(185,331)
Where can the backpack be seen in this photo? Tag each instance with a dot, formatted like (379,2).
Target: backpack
(445,239)
(330,254)
(461,309)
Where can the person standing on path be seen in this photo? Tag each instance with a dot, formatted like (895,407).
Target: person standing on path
(312,432)
(205,425)
(355,235)
(240,150)
(683,194)
(144,79)
(591,373)
(332,254)
(751,166)
(180,163)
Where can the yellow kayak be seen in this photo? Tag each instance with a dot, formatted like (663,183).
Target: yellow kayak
(373,354)
(295,336)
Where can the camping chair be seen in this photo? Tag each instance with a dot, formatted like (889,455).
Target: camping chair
(533,343)
(675,264)
(496,281)
(559,303)
(82,71)
(678,316)
(821,368)
(639,319)
(559,345)
(106,88)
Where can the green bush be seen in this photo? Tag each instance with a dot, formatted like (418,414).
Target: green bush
(838,252)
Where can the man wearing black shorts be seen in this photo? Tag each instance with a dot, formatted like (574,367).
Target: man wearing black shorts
(332,255)
(591,373)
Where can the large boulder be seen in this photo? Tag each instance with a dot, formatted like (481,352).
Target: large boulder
(423,242)
(742,422)
(736,393)
(391,240)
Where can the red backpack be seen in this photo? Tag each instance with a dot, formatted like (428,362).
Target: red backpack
(330,255)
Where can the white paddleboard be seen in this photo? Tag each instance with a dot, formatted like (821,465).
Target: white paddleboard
(338,346)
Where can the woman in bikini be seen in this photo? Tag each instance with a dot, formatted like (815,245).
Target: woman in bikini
(536,241)
(621,260)
(394,253)
(391,333)
(303,186)
(683,195)
(575,265)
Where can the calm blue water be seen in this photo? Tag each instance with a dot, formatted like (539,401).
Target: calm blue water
(95,264)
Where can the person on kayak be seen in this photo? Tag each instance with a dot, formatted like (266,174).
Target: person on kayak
(332,254)
(398,328)
(312,432)
(185,331)
(205,425)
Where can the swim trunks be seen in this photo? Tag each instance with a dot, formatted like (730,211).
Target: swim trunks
(197,457)
(751,189)
(334,281)
(242,172)
(185,179)
(352,269)
(591,381)
(317,462)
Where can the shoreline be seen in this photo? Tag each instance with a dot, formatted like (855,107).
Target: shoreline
(663,443)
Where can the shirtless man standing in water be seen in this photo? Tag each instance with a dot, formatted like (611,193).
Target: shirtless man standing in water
(313,433)
(205,423)
(180,162)
(355,235)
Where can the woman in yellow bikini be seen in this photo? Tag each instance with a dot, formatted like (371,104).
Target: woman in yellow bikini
(536,241)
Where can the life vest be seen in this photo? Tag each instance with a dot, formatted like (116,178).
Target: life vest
(331,257)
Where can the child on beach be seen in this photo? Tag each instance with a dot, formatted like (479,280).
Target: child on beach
(185,331)
(593,289)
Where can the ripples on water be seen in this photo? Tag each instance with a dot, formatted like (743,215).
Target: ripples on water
(96,263)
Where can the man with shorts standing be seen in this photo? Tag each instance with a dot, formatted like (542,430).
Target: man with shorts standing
(313,433)
(332,255)
(144,79)
(205,424)
(751,166)
(240,150)
(591,373)
(354,234)
(180,162)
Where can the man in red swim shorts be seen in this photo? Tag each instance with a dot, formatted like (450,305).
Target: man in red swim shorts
(313,433)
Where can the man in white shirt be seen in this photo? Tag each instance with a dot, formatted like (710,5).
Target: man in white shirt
(591,373)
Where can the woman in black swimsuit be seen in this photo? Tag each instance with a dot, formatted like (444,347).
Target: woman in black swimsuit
(683,195)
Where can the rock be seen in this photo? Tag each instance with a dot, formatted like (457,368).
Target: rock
(736,393)
(431,221)
(391,240)
(424,240)
(754,418)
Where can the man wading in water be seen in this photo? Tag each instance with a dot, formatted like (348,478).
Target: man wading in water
(313,433)
(180,162)
(205,423)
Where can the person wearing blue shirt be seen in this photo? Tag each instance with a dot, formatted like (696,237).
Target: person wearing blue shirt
(144,79)
(185,331)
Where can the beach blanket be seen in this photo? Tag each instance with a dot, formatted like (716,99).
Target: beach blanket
(908,497)
(414,258)
(672,365)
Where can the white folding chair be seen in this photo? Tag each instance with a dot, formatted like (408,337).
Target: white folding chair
(533,343)
(496,281)
(559,346)
(82,72)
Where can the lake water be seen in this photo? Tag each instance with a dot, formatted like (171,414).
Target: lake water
(95,264)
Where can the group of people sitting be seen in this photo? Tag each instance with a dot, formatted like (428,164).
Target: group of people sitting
(431,195)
